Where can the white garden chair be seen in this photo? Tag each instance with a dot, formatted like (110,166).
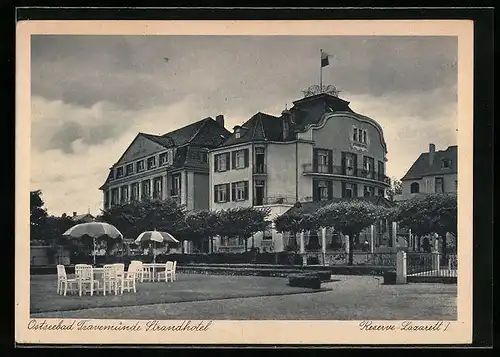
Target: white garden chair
(146,273)
(174,271)
(128,282)
(109,278)
(169,268)
(63,283)
(139,270)
(85,276)
(120,276)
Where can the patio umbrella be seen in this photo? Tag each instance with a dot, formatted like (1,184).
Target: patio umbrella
(155,237)
(94,230)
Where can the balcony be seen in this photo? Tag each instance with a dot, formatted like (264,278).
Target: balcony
(310,169)
(274,200)
(260,169)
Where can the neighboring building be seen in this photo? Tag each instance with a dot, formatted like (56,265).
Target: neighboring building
(433,172)
(318,150)
(82,218)
(173,165)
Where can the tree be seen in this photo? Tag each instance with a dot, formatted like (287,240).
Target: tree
(38,215)
(200,226)
(316,89)
(243,222)
(429,213)
(136,217)
(396,188)
(350,218)
(295,222)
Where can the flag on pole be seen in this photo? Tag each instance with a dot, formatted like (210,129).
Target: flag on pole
(324,59)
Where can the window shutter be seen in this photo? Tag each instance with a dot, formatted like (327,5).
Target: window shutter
(215,194)
(330,161)
(355,189)
(315,191)
(246,189)
(330,190)
(215,162)
(343,189)
(233,192)
(315,160)
(344,164)
(228,191)
(354,162)
(246,158)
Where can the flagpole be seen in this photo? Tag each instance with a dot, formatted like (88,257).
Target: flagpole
(321,70)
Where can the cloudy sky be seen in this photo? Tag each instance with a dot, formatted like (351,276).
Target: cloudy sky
(91,95)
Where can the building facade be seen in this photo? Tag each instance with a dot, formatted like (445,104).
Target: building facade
(173,165)
(318,150)
(432,172)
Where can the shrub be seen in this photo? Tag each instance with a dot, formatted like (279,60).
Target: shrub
(311,281)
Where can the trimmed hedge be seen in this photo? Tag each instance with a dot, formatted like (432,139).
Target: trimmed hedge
(310,280)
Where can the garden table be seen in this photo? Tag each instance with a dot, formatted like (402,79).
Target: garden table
(153,268)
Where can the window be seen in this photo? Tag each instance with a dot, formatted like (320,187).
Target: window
(240,159)
(349,163)
(323,190)
(114,196)
(268,232)
(106,199)
(176,185)
(359,136)
(119,172)
(146,189)
(221,162)
(439,185)
(140,165)
(369,166)
(157,188)
(324,160)
(134,194)
(381,192)
(414,187)
(240,191)
(129,169)
(221,193)
(237,134)
(124,194)
(165,158)
(369,191)
(151,162)
(381,168)
(446,164)
(349,190)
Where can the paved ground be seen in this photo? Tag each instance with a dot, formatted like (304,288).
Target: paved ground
(350,298)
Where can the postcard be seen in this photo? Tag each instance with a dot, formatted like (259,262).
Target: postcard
(244,182)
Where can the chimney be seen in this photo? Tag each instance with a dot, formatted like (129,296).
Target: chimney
(432,153)
(220,120)
(286,118)
(74,214)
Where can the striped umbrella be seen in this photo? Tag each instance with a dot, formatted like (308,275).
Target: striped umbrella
(155,237)
(94,230)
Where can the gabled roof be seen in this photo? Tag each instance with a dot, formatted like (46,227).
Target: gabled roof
(312,207)
(79,217)
(260,127)
(421,167)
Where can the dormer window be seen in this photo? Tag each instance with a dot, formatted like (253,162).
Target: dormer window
(119,172)
(446,164)
(166,158)
(129,169)
(237,133)
(151,162)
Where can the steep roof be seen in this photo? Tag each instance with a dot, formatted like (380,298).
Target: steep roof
(422,168)
(312,207)
(79,217)
(259,127)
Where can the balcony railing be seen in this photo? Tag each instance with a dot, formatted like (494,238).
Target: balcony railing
(274,199)
(260,169)
(345,171)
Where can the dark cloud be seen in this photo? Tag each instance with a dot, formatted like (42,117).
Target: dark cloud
(234,75)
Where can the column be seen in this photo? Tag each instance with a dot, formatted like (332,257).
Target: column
(185,247)
(372,239)
(164,187)
(190,190)
(394,235)
(119,195)
(151,188)
(411,240)
(347,244)
(129,193)
(139,191)
(302,248)
(401,267)
(323,240)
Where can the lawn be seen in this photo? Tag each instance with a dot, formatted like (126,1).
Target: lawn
(234,297)
(187,287)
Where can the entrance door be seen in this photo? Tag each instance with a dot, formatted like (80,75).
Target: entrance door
(259,193)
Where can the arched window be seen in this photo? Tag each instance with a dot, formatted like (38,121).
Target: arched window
(414,187)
